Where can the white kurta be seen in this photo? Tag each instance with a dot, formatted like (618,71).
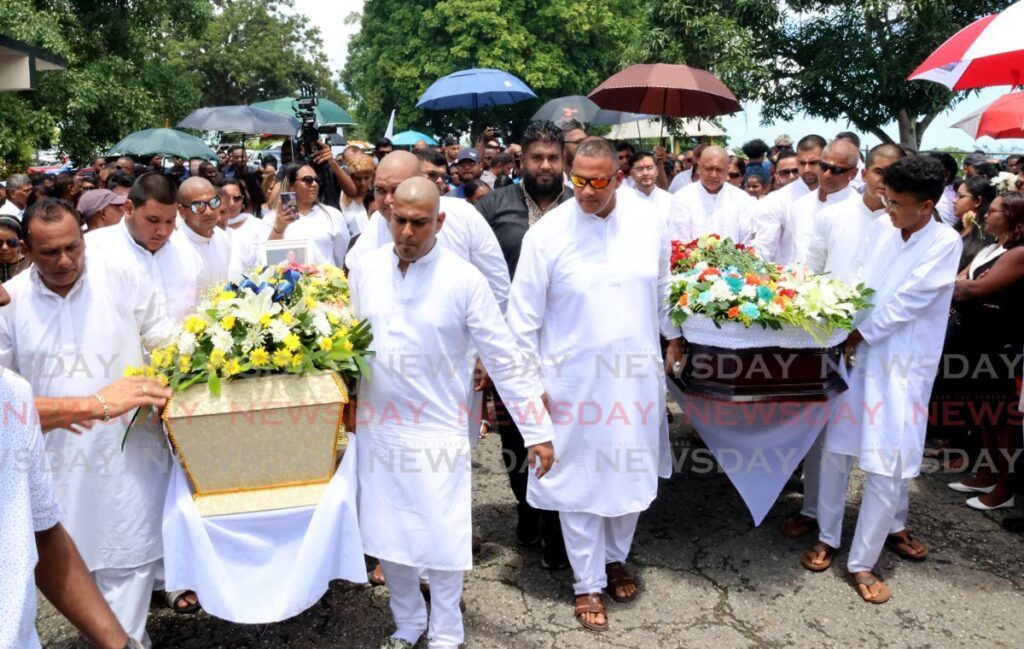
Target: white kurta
(355,217)
(945,205)
(588,303)
(798,223)
(883,415)
(414,464)
(74,346)
(246,253)
(659,201)
(728,213)
(681,179)
(841,239)
(27,505)
(325,229)
(173,270)
(215,252)
(769,215)
(465,232)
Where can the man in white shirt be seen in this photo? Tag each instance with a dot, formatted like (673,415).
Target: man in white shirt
(894,354)
(466,233)
(75,323)
(945,205)
(590,291)
(769,216)
(429,310)
(199,209)
(143,238)
(711,205)
(19,190)
(841,242)
(644,171)
(689,172)
(838,166)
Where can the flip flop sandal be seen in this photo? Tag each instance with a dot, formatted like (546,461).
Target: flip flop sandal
(869,580)
(590,603)
(618,578)
(173,599)
(799,525)
(807,560)
(376,577)
(902,544)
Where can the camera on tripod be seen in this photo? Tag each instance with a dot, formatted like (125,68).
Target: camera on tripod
(309,130)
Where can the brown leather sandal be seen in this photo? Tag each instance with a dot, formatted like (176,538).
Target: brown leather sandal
(869,579)
(809,557)
(798,525)
(591,603)
(903,544)
(618,579)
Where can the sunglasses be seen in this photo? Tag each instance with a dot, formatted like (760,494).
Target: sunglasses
(237,199)
(199,206)
(789,172)
(596,183)
(308,180)
(10,243)
(735,174)
(433,175)
(833,169)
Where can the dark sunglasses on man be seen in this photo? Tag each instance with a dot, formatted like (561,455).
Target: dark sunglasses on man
(833,169)
(10,243)
(200,206)
(734,174)
(788,172)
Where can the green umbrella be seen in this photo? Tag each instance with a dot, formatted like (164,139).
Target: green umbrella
(327,112)
(165,141)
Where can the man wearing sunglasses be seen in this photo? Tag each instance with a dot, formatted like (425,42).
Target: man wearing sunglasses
(771,211)
(590,291)
(711,205)
(199,206)
(838,166)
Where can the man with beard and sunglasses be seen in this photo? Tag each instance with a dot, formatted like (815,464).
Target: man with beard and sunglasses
(511,211)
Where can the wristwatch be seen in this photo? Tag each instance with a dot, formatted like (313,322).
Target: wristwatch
(133,644)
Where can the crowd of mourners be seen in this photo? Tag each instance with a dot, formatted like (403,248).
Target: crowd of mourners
(555,245)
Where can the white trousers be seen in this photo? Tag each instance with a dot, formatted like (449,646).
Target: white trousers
(444,629)
(883,510)
(592,542)
(812,473)
(128,592)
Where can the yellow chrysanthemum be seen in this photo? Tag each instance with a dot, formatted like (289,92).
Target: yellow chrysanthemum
(282,357)
(194,324)
(333,319)
(292,342)
(157,357)
(228,322)
(297,360)
(232,367)
(216,358)
(162,378)
(223,296)
(259,357)
(288,318)
(133,371)
(309,302)
(150,372)
(185,364)
(347,345)
(264,319)
(325,344)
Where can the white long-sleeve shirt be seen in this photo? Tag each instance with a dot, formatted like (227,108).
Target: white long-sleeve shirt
(414,469)
(659,200)
(588,303)
(465,232)
(842,239)
(727,213)
(798,223)
(215,251)
(74,346)
(770,214)
(326,230)
(173,271)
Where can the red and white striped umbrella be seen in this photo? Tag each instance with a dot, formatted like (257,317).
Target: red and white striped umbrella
(988,52)
(1003,118)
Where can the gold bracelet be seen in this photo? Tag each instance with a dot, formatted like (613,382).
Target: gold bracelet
(106,408)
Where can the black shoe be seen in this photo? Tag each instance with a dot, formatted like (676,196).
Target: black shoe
(1015,524)
(553,556)
(528,526)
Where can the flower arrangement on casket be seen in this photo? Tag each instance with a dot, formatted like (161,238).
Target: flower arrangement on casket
(259,374)
(726,297)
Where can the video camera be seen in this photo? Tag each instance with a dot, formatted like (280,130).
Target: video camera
(305,111)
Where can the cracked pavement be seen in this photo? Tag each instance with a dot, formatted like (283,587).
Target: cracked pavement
(707,578)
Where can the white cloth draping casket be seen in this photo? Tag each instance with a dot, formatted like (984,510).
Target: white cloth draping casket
(264,567)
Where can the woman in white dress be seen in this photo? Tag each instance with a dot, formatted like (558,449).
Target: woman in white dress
(308,219)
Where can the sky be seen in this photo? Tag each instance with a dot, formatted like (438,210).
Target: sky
(330,17)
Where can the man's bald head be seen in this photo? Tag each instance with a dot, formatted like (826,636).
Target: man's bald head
(713,168)
(395,168)
(844,150)
(194,187)
(838,165)
(417,191)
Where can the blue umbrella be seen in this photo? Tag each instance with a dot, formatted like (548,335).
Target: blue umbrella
(409,138)
(474,89)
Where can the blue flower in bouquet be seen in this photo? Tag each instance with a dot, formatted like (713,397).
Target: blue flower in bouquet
(735,282)
(750,310)
(704,297)
(764,293)
(286,285)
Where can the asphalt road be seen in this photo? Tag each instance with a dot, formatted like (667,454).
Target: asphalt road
(708,578)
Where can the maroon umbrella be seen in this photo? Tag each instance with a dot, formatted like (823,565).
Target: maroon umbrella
(666,90)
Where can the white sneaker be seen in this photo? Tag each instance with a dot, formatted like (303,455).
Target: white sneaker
(975,503)
(967,489)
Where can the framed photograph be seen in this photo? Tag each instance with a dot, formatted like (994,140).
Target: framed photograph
(286,250)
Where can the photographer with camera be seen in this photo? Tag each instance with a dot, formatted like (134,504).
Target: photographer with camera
(333,179)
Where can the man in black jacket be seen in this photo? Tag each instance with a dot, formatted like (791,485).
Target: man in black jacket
(510,211)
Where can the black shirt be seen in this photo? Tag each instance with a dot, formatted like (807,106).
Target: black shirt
(505,211)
